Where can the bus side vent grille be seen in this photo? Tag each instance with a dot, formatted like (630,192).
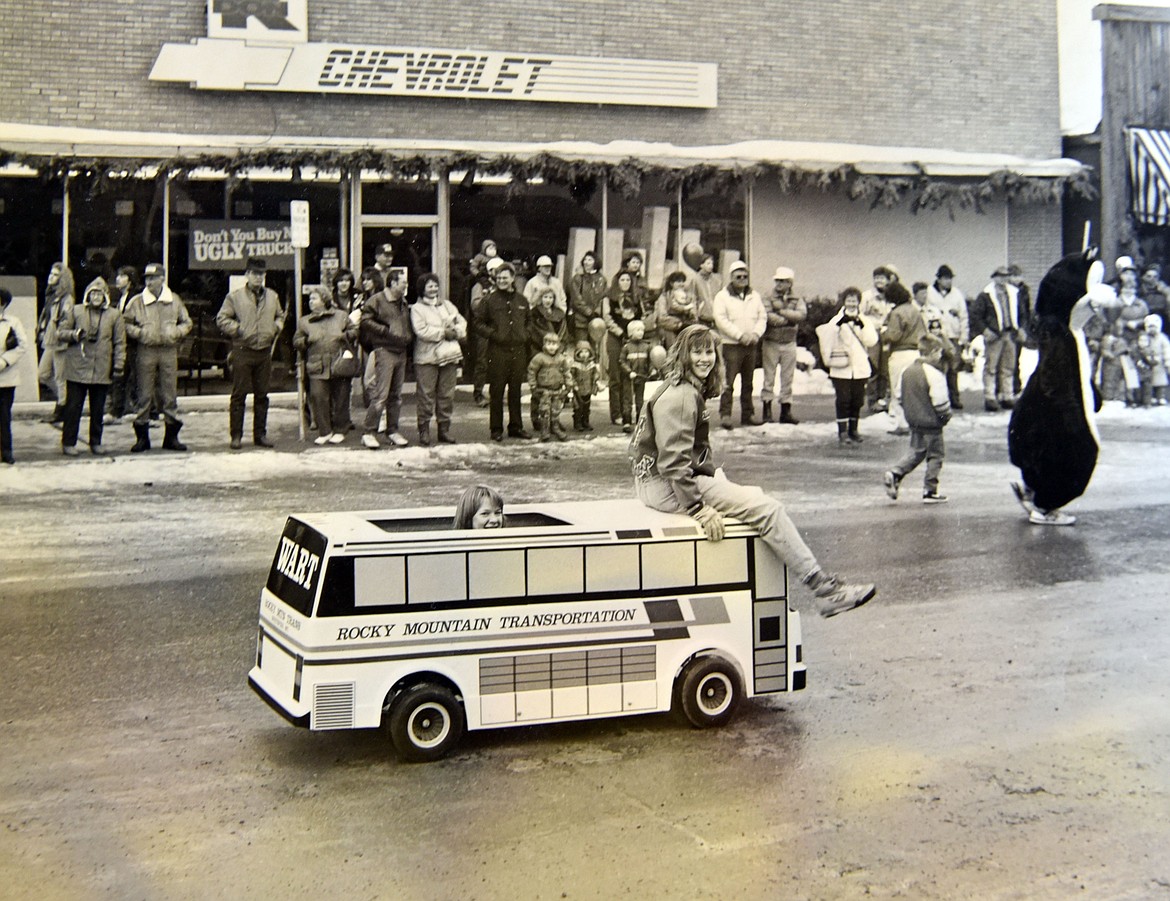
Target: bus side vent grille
(333,705)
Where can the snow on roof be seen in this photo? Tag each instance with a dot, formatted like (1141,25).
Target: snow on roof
(867,158)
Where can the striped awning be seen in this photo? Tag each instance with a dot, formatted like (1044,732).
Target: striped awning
(1149,174)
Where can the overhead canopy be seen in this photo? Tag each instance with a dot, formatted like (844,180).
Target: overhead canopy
(22,138)
(1148,150)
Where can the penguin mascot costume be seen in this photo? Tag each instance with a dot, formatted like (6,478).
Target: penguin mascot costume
(1052,435)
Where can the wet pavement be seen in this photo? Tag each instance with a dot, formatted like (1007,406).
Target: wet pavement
(995,724)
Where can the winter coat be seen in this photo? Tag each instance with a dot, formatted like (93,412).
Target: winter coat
(853,339)
(503,319)
(781,329)
(586,292)
(586,373)
(386,323)
(737,315)
(431,321)
(904,326)
(320,337)
(57,300)
(984,314)
(536,286)
(94,339)
(924,397)
(253,323)
(953,306)
(673,442)
(549,373)
(635,358)
(542,322)
(157,321)
(9,357)
(673,317)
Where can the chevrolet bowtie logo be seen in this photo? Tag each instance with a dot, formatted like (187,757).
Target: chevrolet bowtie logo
(272,14)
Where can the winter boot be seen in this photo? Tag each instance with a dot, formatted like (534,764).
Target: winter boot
(767,411)
(854,435)
(786,415)
(424,434)
(142,433)
(843,432)
(445,435)
(171,437)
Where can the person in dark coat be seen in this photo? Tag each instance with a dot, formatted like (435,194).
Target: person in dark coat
(503,322)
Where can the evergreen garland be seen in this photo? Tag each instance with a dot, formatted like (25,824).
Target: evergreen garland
(581,177)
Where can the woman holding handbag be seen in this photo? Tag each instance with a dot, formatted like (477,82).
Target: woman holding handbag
(438,329)
(326,339)
(844,341)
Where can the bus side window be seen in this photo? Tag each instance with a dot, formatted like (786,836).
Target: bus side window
(495,574)
(556,570)
(771,577)
(612,568)
(378,581)
(722,562)
(437,577)
(668,564)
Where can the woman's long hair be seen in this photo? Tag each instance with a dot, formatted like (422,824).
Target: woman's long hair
(678,360)
(470,501)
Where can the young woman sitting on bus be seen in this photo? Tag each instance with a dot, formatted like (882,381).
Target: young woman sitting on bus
(670,453)
(479,507)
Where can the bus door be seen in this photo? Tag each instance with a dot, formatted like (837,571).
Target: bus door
(769,622)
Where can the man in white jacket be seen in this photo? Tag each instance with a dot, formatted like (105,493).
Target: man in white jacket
(740,320)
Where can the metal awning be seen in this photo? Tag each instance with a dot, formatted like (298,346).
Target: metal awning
(1148,151)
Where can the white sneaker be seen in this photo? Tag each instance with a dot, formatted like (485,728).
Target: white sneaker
(835,595)
(322,439)
(337,437)
(1051,518)
(892,480)
(397,439)
(370,441)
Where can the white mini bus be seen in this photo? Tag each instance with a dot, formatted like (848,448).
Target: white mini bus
(571,611)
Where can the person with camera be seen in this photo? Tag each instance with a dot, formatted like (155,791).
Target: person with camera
(157,320)
(94,338)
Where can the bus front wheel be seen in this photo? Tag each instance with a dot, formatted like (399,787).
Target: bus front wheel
(708,692)
(426,722)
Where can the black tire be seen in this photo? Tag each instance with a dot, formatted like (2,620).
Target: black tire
(708,692)
(426,722)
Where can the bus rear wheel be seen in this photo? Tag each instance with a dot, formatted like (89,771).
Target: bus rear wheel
(426,722)
(708,692)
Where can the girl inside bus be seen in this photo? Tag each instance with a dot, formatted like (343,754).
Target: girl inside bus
(674,471)
(479,507)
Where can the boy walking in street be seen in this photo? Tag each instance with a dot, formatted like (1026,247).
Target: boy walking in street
(926,403)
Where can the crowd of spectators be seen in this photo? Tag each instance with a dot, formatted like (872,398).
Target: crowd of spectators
(568,341)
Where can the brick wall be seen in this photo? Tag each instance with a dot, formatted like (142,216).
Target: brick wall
(905,72)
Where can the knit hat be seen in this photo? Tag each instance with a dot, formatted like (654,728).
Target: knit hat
(944,271)
(1153,320)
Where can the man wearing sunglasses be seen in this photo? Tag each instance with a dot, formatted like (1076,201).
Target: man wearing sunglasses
(740,320)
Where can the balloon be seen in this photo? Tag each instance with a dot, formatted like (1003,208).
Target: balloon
(693,255)
(658,356)
(597,329)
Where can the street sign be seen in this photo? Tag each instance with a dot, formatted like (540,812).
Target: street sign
(298,212)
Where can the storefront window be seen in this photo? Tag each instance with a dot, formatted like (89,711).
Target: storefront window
(526,222)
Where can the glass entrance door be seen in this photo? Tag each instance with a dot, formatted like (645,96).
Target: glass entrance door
(413,249)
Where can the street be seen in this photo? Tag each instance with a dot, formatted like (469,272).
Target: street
(995,724)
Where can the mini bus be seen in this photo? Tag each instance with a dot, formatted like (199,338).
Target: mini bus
(571,611)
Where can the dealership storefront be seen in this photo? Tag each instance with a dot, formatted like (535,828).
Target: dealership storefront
(619,152)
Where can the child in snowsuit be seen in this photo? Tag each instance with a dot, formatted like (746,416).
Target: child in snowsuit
(549,376)
(1154,347)
(635,363)
(586,382)
(1112,367)
(926,402)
